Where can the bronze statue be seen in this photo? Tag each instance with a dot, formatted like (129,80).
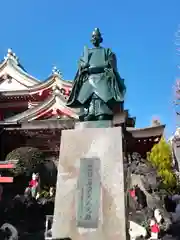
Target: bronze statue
(98,88)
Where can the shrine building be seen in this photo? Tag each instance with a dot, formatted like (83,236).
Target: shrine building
(33,113)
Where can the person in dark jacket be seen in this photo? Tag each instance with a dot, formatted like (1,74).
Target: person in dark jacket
(169,204)
(141,198)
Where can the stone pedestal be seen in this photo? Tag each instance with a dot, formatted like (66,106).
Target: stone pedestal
(81,143)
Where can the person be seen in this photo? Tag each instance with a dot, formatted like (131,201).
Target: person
(169,204)
(141,198)
(132,192)
(98,89)
(133,199)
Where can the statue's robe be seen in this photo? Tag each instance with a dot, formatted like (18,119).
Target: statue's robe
(98,75)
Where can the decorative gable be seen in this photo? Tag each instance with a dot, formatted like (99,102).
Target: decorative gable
(12,67)
(7,83)
(32,98)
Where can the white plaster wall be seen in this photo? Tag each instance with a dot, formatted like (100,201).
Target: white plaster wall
(11,85)
(17,75)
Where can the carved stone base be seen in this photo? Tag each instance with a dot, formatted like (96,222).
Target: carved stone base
(93,124)
(81,143)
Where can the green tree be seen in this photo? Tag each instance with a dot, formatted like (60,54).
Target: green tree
(160,158)
(29,159)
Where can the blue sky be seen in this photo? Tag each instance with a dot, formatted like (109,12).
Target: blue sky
(44,33)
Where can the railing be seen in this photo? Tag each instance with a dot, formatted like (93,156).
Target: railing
(48,233)
(6,179)
(7,165)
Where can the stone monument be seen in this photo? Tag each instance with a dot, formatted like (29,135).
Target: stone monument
(90,200)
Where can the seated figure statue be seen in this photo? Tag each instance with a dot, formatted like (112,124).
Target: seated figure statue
(98,88)
(34,185)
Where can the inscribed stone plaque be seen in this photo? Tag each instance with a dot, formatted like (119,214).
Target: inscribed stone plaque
(88,193)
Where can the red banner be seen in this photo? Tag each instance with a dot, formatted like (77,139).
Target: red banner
(6,179)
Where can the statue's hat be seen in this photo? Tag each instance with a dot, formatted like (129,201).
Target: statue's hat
(96,32)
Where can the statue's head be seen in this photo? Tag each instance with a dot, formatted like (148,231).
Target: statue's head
(157,213)
(152,222)
(96,37)
(33,176)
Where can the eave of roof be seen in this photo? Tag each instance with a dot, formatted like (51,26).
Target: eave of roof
(48,83)
(33,112)
(139,133)
(42,124)
(13,62)
(147,132)
(19,69)
(31,90)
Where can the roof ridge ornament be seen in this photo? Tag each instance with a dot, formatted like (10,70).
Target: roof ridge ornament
(14,59)
(11,55)
(56,90)
(56,71)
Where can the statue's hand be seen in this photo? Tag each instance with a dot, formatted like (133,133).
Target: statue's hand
(84,65)
(84,68)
